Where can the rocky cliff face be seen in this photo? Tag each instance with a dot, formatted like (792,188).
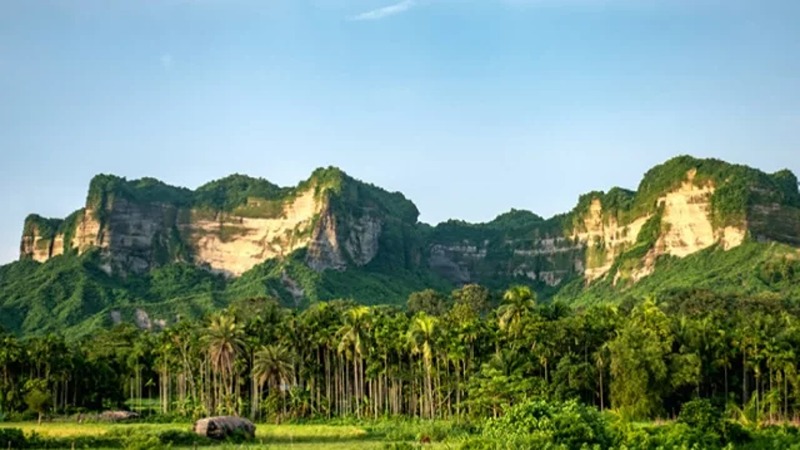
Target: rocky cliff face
(134,235)
(335,223)
(682,207)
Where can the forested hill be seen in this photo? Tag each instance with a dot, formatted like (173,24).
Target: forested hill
(144,252)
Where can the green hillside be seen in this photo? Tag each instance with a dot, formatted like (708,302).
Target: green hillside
(384,253)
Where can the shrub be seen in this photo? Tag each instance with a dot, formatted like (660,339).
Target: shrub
(181,438)
(539,424)
(12,438)
(700,414)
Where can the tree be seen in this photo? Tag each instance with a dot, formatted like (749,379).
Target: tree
(518,301)
(352,337)
(37,398)
(273,366)
(224,342)
(421,338)
(470,302)
(428,301)
(638,362)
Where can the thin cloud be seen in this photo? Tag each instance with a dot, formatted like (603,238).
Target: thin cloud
(386,11)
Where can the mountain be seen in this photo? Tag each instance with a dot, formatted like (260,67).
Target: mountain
(147,252)
(680,208)
(227,226)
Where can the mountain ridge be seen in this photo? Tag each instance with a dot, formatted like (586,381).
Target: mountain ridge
(333,236)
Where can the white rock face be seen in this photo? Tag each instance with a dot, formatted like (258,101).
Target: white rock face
(687,222)
(594,247)
(687,219)
(445,262)
(233,245)
(608,238)
(732,237)
(134,237)
(88,235)
(40,249)
(687,227)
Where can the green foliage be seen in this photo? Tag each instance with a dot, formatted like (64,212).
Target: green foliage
(428,301)
(12,438)
(751,269)
(516,220)
(617,204)
(233,191)
(46,228)
(71,295)
(38,400)
(639,362)
(541,424)
(700,414)
(104,188)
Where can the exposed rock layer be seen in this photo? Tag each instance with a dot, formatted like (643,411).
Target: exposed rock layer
(342,224)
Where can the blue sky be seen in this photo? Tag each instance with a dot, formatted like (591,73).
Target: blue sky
(469,107)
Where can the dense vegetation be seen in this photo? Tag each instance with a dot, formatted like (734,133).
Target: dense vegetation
(445,357)
(706,343)
(71,295)
(765,270)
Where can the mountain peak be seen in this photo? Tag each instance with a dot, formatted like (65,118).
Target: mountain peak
(333,236)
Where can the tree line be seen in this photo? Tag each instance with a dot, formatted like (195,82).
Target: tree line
(470,354)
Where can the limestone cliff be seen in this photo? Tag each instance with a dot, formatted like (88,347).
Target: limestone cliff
(228,226)
(681,207)
(332,222)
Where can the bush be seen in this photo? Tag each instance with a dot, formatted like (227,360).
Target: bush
(539,424)
(12,438)
(700,414)
(776,437)
(180,438)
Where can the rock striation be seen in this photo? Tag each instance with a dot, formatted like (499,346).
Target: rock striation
(337,221)
(334,223)
(682,207)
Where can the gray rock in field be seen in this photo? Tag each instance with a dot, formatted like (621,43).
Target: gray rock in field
(224,426)
(118,416)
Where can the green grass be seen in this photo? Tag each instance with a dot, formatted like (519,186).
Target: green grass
(300,437)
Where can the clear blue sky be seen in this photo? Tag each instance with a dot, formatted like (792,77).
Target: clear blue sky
(469,107)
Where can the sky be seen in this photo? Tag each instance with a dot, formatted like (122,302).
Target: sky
(468,107)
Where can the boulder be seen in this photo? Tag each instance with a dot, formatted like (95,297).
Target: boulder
(118,416)
(222,427)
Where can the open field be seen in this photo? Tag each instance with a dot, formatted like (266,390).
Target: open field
(300,437)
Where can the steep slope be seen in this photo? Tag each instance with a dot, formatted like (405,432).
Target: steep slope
(120,257)
(145,252)
(228,226)
(680,208)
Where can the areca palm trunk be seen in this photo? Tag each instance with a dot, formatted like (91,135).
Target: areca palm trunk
(254,394)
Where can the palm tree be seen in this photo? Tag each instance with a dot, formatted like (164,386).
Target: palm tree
(272,365)
(10,353)
(224,340)
(352,337)
(517,302)
(421,336)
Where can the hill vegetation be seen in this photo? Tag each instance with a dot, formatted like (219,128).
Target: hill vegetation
(76,294)
(512,372)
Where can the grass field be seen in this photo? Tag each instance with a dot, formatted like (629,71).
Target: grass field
(299,437)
